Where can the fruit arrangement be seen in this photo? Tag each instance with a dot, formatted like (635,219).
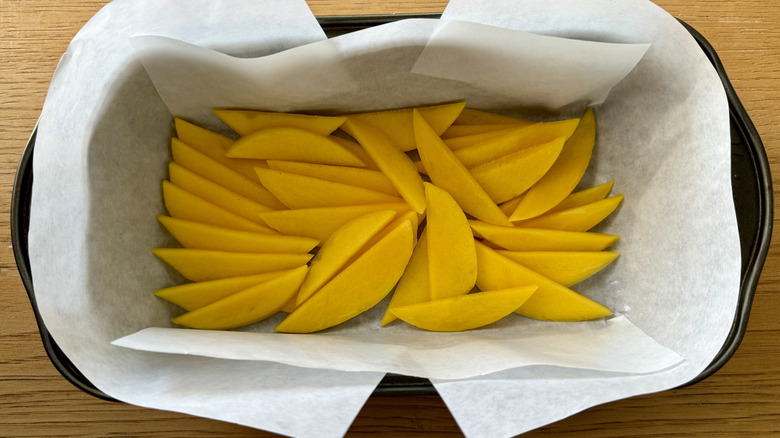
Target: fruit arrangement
(467,216)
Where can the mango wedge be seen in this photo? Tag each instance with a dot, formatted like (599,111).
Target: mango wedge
(457,143)
(397,124)
(584,197)
(299,191)
(550,302)
(205,265)
(575,219)
(246,307)
(246,122)
(413,287)
(293,144)
(356,150)
(447,172)
(537,239)
(193,296)
(564,267)
(452,260)
(201,236)
(564,175)
(455,131)
(465,312)
(471,116)
(184,205)
(398,167)
(344,244)
(357,176)
(357,288)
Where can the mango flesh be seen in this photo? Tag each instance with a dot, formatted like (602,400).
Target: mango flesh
(465,312)
(457,143)
(246,122)
(413,287)
(293,144)
(455,131)
(564,267)
(584,197)
(357,176)
(575,219)
(205,265)
(538,239)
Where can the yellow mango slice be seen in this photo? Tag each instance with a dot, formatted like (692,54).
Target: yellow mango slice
(564,267)
(447,172)
(214,146)
(397,124)
(192,296)
(357,288)
(550,302)
(465,312)
(292,144)
(357,176)
(457,143)
(413,287)
(584,197)
(575,219)
(201,236)
(452,260)
(320,223)
(204,166)
(564,175)
(205,265)
(509,176)
(471,116)
(398,167)
(514,141)
(356,150)
(537,239)
(246,307)
(299,191)
(509,206)
(342,246)
(246,122)
(215,193)
(184,205)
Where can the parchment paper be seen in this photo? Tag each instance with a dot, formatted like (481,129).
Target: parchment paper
(663,136)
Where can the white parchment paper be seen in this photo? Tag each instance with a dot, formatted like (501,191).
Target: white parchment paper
(663,136)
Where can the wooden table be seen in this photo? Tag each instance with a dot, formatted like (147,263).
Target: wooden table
(742,399)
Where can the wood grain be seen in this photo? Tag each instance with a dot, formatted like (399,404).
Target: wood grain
(742,399)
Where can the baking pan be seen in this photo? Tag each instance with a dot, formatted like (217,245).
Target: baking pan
(751,186)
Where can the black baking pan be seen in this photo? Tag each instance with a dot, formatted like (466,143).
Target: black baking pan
(751,186)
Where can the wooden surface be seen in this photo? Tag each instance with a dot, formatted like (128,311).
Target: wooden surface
(742,399)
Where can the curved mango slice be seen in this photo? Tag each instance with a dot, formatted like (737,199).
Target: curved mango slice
(357,288)
(246,122)
(413,287)
(584,197)
(357,176)
(457,143)
(575,219)
(293,144)
(205,265)
(247,306)
(564,267)
(456,131)
(465,312)
(471,116)
(538,239)
(564,175)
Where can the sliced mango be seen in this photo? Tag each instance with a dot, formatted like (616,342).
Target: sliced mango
(537,239)
(509,176)
(471,116)
(584,197)
(398,167)
(550,302)
(447,172)
(357,176)
(246,307)
(341,247)
(575,219)
(452,260)
(564,267)
(455,131)
(397,124)
(246,122)
(357,288)
(356,150)
(205,265)
(457,143)
(465,312)
(293,144)
(201,236)
(413,287)
(564,175)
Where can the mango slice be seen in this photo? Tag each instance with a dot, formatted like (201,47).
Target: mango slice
(246,122)
(320,223)
(447,172)
(246,307)
(465,312)
(564,267)
(575,219)
(340,248)
(201,236)
(357,288)
(397,124)
(413,287)
(205,265)
(398,167)
(292,144)
(208,168)
(184,205)
(193,296)
(457,143)
(537,239)
(550,302)
(452,260)
(357,176)
(584,197)
(356,150)
(455,131)
(471,116)
(564,175)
